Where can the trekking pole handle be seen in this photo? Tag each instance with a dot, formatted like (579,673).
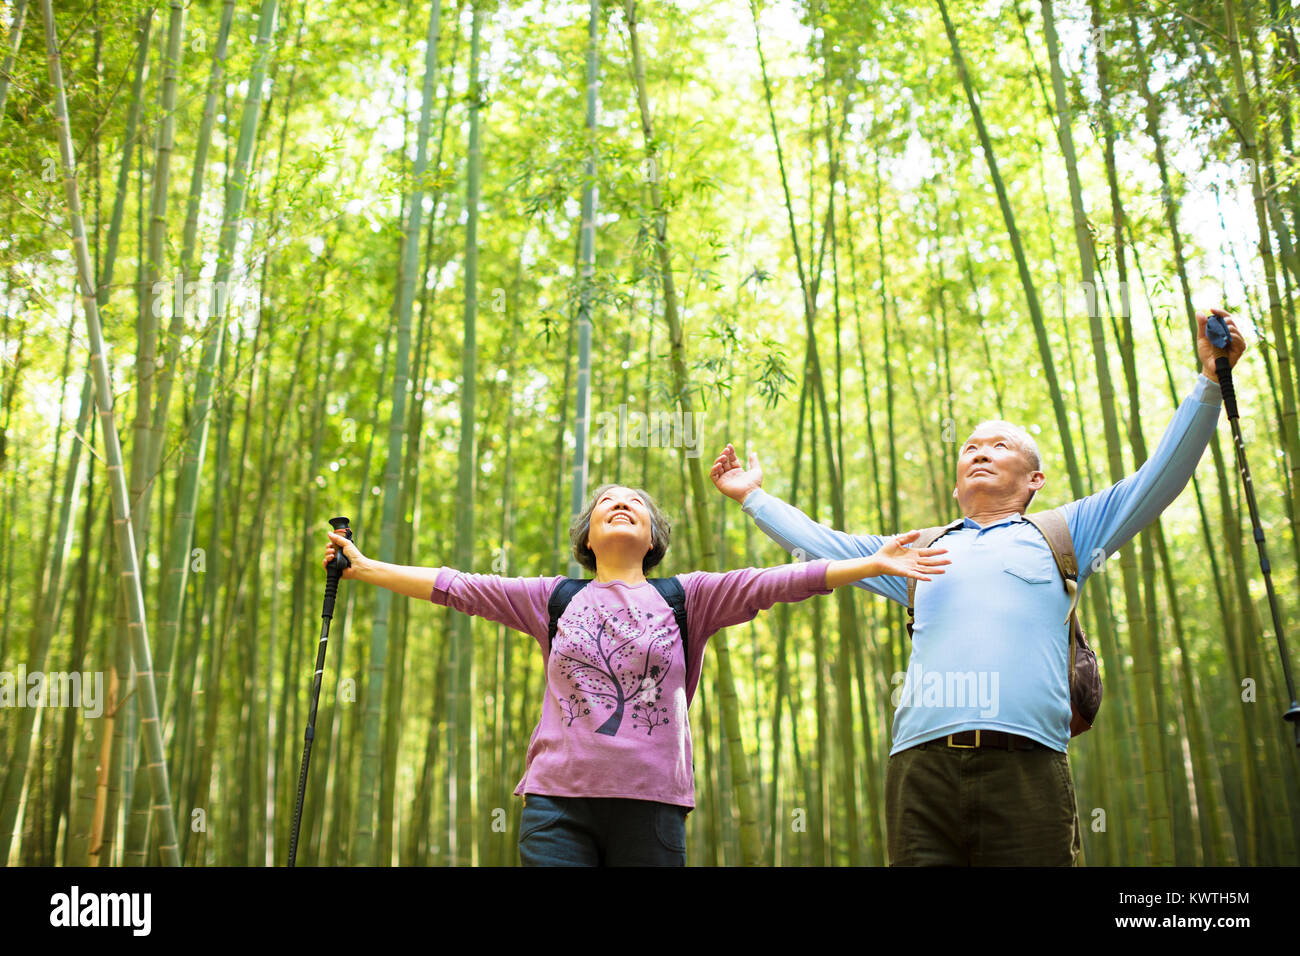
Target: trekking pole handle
(336,568)
(1216,330)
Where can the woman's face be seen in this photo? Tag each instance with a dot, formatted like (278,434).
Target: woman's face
(620,520)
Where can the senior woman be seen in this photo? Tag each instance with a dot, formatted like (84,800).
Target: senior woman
(608,776)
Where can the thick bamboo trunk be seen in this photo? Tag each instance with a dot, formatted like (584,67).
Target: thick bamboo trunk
(6,71)
(587,254)
(142,474)
(193,455)
(461,789)
(1155,777)
(121,504)
(728,706)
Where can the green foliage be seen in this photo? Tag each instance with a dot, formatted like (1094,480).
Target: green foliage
(867,88)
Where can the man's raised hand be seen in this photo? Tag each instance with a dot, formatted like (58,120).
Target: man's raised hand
(733,480)
(1206,352)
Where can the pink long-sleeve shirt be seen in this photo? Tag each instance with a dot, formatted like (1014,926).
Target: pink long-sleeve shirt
(618,687)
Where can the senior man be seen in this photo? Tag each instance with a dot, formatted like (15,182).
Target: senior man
(986,782)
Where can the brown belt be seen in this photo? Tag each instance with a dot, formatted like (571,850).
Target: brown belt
(970,739)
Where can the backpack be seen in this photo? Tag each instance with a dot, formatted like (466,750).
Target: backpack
(670,589)
(1084,675)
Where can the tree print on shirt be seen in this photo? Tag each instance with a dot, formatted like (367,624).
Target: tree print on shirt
(614,659)
(573,708)
(649,716)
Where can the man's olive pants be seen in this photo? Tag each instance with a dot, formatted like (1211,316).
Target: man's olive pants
(950,806)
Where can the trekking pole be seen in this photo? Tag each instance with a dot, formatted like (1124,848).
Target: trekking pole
(1216,330)
(332,575)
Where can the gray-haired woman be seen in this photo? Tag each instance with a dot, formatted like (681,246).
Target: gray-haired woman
(608,776)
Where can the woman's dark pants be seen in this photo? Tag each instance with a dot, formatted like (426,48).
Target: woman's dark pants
(591,831)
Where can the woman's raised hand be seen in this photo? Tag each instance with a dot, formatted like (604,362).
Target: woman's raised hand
(895,558)
(892,558)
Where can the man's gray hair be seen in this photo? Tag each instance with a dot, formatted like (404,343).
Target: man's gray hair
(1021,438)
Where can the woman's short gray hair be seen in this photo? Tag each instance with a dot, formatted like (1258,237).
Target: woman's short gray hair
(661,530)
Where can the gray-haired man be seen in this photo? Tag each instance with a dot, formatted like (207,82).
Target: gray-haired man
(986,781)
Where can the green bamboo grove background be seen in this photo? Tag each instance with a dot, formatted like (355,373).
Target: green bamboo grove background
(420,249)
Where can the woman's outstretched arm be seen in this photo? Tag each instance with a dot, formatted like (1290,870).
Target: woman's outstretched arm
(518,603)
(715,600)
(403,579)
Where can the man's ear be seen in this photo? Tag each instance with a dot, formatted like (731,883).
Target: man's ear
(954,491)
(1037,479)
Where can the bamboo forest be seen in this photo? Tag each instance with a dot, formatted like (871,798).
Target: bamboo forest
(447,272)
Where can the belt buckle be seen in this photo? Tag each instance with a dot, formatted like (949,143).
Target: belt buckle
(964,746)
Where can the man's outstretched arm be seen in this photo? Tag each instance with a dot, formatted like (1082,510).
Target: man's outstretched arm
(795,531)
(1102,523)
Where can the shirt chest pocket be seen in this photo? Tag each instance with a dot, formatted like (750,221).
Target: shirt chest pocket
(1032,567)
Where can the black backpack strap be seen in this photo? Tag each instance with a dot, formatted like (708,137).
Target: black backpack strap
(559,600)
(670,589)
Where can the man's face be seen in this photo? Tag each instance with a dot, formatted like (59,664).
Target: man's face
(619,514)
(992,471)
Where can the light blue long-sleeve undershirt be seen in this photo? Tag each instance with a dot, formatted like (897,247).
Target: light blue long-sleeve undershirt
(990,640)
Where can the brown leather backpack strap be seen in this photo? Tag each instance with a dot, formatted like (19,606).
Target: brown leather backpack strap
(1085,687)
(1053,527)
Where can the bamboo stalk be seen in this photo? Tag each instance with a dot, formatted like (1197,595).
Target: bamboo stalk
(121,504)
